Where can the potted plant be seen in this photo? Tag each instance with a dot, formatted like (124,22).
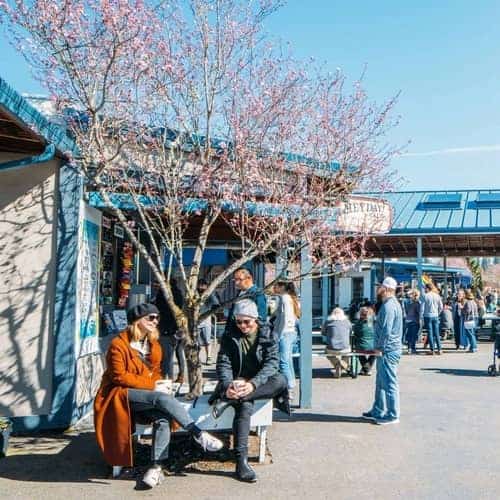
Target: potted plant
(5,430)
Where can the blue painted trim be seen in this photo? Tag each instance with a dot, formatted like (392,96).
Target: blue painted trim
(63,413)
(22,110)
(47,155)
(306,330)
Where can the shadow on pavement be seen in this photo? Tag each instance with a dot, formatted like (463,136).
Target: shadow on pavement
(322,373)
(321,417)
(55,459)
(458,371)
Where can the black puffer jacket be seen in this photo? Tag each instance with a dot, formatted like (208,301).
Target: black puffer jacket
(230,356)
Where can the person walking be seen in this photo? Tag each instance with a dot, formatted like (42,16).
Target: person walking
(470,313)
(364,338)
(285,329)
(412,321)
(458,321)
(388,334)
(432,305)
(129,392)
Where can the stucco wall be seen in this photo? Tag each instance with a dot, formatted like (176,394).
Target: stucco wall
(27,282)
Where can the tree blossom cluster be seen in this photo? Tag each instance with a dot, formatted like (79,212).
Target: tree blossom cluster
(189,109)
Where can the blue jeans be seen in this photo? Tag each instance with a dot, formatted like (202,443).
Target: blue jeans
(286,343)
(159,408)
(470,335)
(412,328)
(386,402)
(432,326)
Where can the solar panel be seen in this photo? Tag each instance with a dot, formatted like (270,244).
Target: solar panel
(445,200)
(487,200)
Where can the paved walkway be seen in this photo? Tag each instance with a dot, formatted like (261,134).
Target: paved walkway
(446,446)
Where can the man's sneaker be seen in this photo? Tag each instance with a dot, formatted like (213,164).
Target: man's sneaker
(208,442)
(386,421)
(368,415)
(153,476)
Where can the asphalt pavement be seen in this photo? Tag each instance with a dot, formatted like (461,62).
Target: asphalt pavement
(447,446)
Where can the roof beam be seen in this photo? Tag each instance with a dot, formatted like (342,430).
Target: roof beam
(402,243)
(374,241)
(19,138)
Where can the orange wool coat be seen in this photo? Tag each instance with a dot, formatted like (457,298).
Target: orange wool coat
(112,418)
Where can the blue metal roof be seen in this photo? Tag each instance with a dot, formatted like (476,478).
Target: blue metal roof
(22,110)
(444,212)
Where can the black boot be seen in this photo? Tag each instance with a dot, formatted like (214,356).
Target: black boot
(282,402)
(243,470)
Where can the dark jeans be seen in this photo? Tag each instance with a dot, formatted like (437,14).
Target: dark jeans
(158,408)
(367,362)
(243,409)
(412,328)
(432,326)
(170,346)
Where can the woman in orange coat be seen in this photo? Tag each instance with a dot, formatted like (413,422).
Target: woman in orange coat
(128,390)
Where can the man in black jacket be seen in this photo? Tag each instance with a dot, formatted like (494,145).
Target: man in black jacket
(247,369)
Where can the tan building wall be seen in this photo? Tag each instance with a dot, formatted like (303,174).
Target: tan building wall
(27,281)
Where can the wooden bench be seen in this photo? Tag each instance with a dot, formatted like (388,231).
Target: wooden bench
(353,367)
(201,412)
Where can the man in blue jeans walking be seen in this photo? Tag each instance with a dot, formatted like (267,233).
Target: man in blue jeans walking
(388,334)
(432,308)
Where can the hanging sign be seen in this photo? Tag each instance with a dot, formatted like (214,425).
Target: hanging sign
(365,215)
(87,309)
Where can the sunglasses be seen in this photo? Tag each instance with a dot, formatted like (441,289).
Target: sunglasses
(153,317)
(244,321)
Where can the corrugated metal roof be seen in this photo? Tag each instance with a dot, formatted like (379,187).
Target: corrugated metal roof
(458,212)
(22,111)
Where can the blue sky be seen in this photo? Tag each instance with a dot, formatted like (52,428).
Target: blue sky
(444,58)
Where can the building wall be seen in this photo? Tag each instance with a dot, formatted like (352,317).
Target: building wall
(343,286)
(28,231)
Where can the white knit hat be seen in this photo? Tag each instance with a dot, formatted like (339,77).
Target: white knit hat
(389,283)
(246,307)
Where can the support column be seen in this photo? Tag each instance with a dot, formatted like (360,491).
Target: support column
(305,329)
(383,268)
(325,294)
(445,269)
(281,264)
(420,284)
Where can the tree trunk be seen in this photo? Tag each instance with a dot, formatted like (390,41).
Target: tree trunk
(192,351)
(195,375)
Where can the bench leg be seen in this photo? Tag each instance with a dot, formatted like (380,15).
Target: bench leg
(117,469)
(262,433)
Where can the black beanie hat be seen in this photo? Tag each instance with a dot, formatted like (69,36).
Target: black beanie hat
(141,310)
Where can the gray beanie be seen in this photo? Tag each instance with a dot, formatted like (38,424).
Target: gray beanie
(246,307)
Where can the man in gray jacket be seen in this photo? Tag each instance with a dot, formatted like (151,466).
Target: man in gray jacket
(388,333)
(433,305)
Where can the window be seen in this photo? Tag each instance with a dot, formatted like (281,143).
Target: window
(357,289)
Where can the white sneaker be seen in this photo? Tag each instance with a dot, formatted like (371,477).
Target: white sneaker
(208,442)
(153,476)
(386,421)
